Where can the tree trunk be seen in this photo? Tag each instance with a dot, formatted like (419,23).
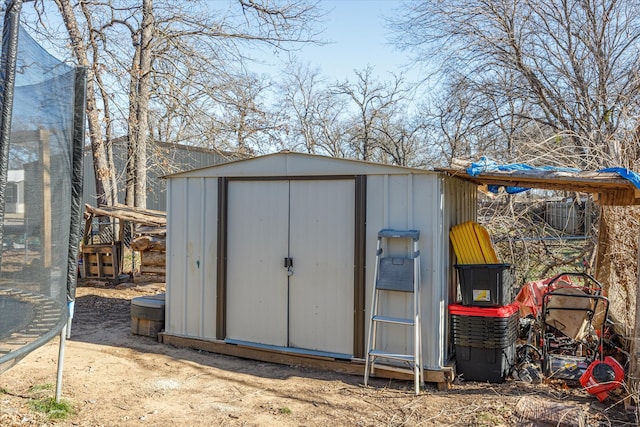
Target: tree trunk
(132,141)
(146,38)
(149,243)
(104,173)
(155,259)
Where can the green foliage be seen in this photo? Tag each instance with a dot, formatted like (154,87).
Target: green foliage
(284,410)
(54,410)
(40,387)
(488,419)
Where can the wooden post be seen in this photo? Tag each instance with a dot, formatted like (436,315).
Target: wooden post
(88,221)
(46,228)
(634,363)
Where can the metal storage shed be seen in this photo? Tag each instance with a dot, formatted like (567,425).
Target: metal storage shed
(232,227)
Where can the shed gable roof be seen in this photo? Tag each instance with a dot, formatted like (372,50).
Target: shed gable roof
(291,164)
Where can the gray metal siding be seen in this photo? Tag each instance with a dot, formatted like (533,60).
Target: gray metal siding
(176,263)
(191,255)
(411,202)
(290,164)
(429,202)
(460,205)
(163,159)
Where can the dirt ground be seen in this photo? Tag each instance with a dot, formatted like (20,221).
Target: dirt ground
(115,378)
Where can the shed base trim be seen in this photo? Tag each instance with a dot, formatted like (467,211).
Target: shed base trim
(443,377)
(300,351)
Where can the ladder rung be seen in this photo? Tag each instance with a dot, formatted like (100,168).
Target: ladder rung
(396,356)
(396,274)
(397,320)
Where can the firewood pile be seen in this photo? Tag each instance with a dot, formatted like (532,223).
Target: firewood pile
(151,241)
(148,237)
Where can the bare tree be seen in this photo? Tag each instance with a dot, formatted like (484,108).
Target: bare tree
(569,67)
(138,119)
(367,119)
(203,60)
(315,116)
(403,142)
(468,122)
(103,162)
(183,72)
(373,102)
(567,73)
(246,122)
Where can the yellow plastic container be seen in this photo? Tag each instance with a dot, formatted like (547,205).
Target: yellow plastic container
(472,244)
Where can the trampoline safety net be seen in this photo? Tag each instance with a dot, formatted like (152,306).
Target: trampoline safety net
(41,138)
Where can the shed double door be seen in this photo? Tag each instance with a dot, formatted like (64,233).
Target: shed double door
(309,305)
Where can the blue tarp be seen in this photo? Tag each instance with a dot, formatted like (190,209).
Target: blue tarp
(625,173)
(485,165)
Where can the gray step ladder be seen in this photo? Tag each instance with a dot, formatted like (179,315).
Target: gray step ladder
(396,274)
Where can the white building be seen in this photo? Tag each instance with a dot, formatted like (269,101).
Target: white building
(14,196)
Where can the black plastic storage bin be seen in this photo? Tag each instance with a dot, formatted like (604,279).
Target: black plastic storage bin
(482,332)
(484,340)
(485,364)
(486,285)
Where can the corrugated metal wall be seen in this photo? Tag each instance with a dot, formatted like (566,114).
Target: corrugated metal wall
(432,204)
(570,218)
(429,202)
(191,268)
(460,205)
(163,159)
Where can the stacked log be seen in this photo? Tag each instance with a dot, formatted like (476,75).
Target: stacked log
(151,243)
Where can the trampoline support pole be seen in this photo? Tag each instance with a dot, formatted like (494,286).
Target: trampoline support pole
(63,339)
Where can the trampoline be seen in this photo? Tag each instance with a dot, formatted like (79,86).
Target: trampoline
(28,320)
(41,139)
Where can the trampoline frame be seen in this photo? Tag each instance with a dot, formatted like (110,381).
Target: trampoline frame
(50,317)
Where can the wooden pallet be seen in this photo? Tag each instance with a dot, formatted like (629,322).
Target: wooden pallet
(102,261)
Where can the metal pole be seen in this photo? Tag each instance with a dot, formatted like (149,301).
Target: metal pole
(63,340)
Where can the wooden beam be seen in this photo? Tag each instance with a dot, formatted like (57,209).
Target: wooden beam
(634,364)
(88,219)
(45,177)
(134,215)
(153,269)
(615,198)
(153,258)
(607,187)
